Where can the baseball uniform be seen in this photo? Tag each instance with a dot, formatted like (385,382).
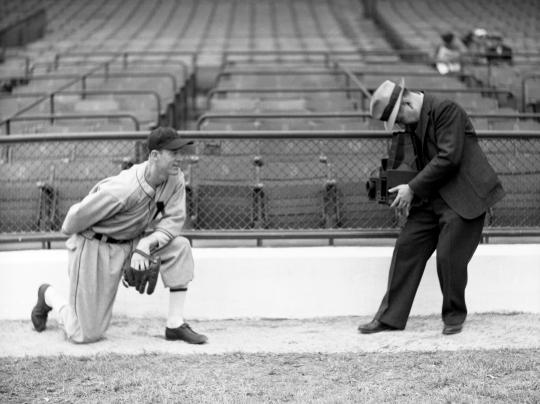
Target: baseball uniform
(105,228)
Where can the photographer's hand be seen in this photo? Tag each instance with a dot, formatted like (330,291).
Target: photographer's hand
(404,197)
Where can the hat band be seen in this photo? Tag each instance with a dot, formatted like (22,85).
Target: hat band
(391,103)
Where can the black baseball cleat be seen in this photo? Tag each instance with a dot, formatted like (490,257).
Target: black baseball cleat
(185,333)
(374,326)
(450,329)
(40,312)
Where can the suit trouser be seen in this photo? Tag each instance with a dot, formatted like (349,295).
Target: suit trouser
(429,227)
(95,270)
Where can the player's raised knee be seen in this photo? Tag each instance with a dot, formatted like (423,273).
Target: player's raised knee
(181,243)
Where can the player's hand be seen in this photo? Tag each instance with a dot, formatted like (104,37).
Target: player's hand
(403,200)
(138,261)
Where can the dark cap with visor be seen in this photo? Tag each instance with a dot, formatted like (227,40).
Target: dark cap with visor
(164,138)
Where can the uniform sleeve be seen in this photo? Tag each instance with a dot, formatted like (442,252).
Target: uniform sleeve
(450,137)
(95,207)
(173,220)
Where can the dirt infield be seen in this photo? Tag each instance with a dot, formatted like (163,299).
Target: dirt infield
(327,335)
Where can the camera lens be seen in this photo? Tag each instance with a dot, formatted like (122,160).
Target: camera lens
(371,189)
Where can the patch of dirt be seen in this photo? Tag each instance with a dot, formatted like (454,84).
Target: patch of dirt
(330,335)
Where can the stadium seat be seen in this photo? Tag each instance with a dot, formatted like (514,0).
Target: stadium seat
(223,192)
(20,197)
(293,193)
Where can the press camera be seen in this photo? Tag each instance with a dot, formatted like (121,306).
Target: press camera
(400,167)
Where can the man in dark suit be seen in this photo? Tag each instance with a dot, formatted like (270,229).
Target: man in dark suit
(452,192)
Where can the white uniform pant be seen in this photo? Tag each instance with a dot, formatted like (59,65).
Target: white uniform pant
(95,271)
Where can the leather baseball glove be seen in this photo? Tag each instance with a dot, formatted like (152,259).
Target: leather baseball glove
(144,278)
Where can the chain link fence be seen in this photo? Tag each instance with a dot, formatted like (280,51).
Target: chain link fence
(254,181)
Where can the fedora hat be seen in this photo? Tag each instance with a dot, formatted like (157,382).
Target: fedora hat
(385,102)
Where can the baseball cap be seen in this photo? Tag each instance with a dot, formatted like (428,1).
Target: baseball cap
(165,138)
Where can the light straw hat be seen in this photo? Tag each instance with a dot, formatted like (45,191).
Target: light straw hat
(385,102)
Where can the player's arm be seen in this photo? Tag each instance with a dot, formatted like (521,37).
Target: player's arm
(95,207)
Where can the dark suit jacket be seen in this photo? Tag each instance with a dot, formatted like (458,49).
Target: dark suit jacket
(455,167)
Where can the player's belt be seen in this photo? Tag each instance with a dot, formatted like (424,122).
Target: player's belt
(107,239)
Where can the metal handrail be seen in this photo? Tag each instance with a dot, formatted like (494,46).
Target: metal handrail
(338,70)
(186,78)
(53,117)
(125,59)
(106,75)
(327,55)
(126,54)
(405,74)
(281,53)
(83,79)
(469,90)
(88,92)
(184,67)
(352,78)
(223,90)
(75,79)
(49,65)
(361,53)
(339,114)
(510,115)
(276,115)
(276,72)
(414,52)
(182,64)
(256,135)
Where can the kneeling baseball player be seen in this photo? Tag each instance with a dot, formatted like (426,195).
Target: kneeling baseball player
(127,228)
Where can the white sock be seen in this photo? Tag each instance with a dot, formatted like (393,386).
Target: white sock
(54,299)
(176,309)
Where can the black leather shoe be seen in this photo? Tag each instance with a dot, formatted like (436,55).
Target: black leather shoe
(40,312)
(374,326)
(185,333)
(452,329)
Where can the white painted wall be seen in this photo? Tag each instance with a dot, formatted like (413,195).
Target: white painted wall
(295,282)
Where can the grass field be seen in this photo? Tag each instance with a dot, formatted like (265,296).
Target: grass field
(478,376)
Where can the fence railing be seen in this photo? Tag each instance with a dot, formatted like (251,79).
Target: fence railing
(359,116)
(264,184)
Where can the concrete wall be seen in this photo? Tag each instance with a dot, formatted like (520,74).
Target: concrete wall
(290,282)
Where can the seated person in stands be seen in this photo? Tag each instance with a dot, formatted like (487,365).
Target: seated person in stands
(496,51)
(475,43)
(119,223)
(448,54)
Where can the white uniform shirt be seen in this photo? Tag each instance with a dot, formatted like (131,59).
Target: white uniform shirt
(125,206)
